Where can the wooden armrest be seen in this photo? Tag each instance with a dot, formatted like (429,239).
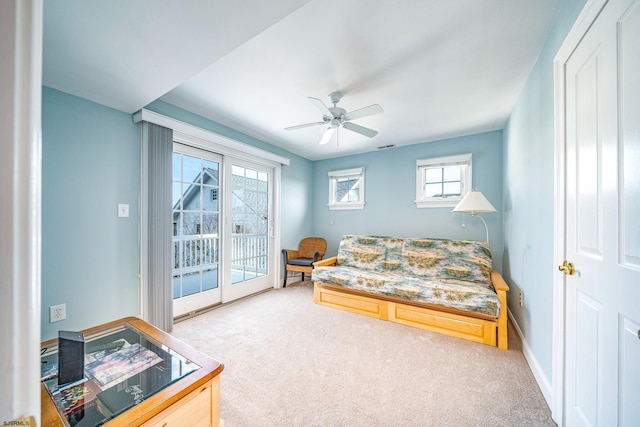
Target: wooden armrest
(501,289)
(329,261)
(498,281)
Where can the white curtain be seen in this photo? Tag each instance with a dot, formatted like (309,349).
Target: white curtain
(156,235)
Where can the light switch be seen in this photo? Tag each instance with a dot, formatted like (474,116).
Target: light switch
(123,210)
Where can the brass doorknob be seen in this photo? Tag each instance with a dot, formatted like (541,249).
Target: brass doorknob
(567,268)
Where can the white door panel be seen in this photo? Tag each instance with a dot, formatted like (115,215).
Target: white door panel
(586,118)
(588,184)
(602,230)
(587,369)
(629,88)
(629,372)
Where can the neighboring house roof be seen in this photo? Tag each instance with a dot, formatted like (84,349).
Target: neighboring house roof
(209,177)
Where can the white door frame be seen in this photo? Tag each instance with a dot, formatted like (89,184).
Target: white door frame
(588,15)
(20,214)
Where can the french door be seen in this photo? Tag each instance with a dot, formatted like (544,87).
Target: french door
(222,229)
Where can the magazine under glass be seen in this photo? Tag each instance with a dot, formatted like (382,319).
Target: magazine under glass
(123,367)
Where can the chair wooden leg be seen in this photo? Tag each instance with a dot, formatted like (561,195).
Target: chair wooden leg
(284,285)
(303,276)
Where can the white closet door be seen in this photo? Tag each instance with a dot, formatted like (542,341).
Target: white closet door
(602,335)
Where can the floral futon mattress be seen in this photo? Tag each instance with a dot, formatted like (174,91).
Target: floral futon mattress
(440,272)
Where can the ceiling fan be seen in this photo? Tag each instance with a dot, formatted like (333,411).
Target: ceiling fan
(336,117)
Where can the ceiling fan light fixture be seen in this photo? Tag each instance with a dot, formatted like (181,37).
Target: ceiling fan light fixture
(327,135)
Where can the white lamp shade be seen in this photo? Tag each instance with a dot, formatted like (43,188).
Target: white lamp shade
(473,203)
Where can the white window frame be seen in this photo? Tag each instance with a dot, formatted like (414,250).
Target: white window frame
(423,201)
(334,204)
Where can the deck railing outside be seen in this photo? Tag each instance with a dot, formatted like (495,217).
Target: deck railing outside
(194,252)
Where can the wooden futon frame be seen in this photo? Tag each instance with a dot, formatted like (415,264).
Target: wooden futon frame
(448,321)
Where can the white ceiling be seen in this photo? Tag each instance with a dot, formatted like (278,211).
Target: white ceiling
(439,69)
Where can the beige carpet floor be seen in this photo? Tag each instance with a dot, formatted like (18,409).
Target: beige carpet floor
(289,362)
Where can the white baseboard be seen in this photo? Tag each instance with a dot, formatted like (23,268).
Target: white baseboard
(541,379)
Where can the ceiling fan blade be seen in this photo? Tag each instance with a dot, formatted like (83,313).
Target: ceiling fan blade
(304,125)
(327,136)
(320,105)
(360,129)
(364,112)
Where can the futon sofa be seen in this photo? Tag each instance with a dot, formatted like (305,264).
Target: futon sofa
(446,286)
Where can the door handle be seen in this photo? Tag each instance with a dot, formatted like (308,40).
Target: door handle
(567,268)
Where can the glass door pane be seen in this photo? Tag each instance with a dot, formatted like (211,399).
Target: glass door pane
(251,243)
(250,254)
(196,241)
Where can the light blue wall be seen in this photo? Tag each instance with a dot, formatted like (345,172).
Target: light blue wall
(529,197)
(390,191)
(90,163)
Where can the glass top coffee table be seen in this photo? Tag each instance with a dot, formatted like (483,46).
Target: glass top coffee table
(132,373)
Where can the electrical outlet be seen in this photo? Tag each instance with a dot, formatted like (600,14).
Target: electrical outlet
(57,313)
(521,299)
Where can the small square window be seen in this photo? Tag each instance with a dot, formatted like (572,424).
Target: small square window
(442,181)
(346,189)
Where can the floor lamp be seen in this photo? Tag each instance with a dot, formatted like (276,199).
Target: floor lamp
(474,203)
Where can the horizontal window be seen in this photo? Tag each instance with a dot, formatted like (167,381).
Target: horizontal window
(442,181)
(346,189)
